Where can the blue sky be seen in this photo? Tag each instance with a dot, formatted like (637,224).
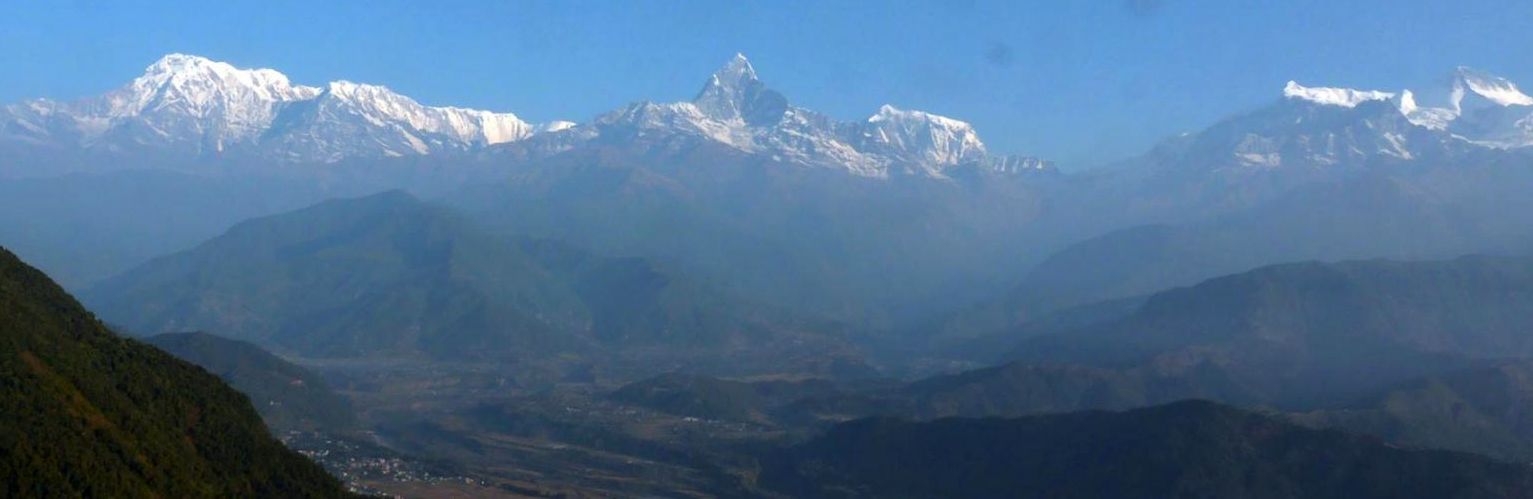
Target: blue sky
(1078,81)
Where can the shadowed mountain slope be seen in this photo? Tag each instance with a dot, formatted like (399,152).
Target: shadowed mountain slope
(1188,449)
(286,395)
(87,413)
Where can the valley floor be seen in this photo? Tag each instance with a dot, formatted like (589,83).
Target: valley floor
(473,431)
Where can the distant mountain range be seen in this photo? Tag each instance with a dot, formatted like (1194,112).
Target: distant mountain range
(900,221)
(389,275)
(1322,174)
(735,108)
(1312,333)
(737,234)
(193,107)
(1300,337)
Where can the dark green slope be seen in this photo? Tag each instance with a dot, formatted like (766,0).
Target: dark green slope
(1188,450)
(288,397)
(84,412)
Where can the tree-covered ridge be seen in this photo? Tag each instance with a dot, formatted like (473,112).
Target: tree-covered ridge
(1190,449)
(85,413)
(1481,410)
(288,396)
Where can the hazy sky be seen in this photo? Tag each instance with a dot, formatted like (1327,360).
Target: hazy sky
(1078,81)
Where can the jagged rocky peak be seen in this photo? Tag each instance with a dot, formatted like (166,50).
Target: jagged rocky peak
(1493,89)
(737,73)
(734,93)
(736,109)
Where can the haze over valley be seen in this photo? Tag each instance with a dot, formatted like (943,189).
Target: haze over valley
(222,280)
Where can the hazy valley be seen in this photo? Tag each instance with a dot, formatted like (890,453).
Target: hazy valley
(1329,295)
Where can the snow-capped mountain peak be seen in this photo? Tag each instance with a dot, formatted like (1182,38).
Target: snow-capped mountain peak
(1329,127)
(194,106)
(1332,96)
(1495,89)
(185,99)
(890,114)
(1312,129)
(737,72)
(1435,118)
(1480,108)
(923,136)
(198,105)
(734,93)
(182,69)
(736,109)
(204,84)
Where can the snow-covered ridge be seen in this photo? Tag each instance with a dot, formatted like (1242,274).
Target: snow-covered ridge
(1344,97)
(936,139)
(736,109)
(1477,107)
(203,84)
(1493,88)
(192,105)
(382,106)
(198,105)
